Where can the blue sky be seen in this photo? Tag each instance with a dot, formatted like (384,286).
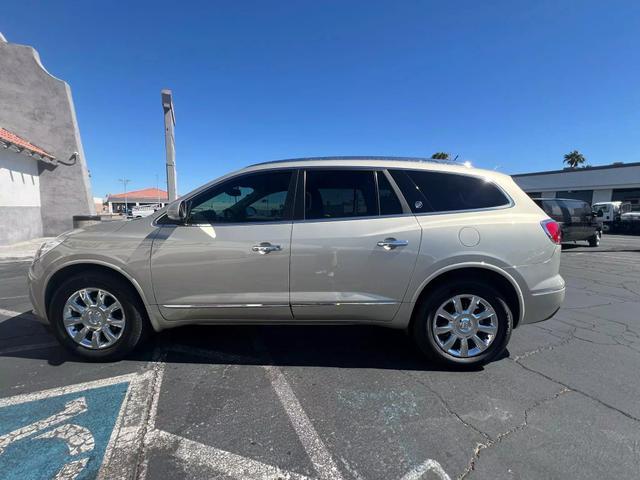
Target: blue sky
(511,85)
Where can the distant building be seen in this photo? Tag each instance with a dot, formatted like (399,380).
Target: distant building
(148,196)
(44,179)
(618,181)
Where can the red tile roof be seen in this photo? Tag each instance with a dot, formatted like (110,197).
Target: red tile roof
(150,193)
(11,138)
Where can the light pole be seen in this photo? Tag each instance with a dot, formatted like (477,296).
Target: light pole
(124,184)
(169,140)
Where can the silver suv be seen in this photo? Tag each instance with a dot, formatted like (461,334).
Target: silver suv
(455,255)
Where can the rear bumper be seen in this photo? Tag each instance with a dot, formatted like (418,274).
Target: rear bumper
(543,305)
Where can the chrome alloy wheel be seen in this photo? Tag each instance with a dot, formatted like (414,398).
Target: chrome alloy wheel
(465,325)
(94,318)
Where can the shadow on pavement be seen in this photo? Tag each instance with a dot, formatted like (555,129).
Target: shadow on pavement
(306,345)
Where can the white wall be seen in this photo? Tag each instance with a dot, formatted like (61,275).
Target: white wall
(19,181)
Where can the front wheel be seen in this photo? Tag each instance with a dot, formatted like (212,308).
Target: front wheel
(465,323)
(97,316)
(594,241)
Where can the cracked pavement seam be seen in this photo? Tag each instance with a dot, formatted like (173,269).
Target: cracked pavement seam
(491,443)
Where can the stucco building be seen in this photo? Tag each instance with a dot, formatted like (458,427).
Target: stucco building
(40,145)
(618,181)
(118,202)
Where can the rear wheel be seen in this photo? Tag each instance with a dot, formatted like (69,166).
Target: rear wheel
(96,316)
(465,323)
(594,241)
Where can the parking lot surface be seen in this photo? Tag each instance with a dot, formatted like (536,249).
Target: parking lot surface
(334,402)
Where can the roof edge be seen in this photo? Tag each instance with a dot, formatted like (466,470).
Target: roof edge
(578,170)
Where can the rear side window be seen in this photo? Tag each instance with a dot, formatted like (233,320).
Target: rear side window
(340,194)
(447,192)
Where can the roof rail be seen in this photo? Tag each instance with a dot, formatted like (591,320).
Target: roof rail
(360,157)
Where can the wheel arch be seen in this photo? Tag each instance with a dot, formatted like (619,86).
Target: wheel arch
(69,270)
(496,276)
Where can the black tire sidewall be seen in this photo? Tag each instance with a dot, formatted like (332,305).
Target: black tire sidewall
(425,313)
(134,327)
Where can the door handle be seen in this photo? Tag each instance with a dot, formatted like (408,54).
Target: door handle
(265,247)
(391,243)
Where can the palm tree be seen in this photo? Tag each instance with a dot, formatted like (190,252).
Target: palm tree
(440,156)
(574,159)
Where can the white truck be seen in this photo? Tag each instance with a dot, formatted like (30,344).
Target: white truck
(617,216)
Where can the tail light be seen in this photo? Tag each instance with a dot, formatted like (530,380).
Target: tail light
(553,231)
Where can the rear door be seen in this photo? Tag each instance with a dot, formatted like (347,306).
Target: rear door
(353,247)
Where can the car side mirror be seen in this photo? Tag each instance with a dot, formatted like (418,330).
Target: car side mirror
(177,211)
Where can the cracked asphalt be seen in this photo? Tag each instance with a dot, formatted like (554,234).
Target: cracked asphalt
(359,402)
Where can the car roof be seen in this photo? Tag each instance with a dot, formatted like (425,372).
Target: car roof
(375,162)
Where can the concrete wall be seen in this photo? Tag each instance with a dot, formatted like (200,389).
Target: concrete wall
(38,107)
(19,224)
(581,179)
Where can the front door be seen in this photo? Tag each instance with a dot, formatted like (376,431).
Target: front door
(353,254)
(230,260)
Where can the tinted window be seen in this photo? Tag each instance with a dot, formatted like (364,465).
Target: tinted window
(553,209)
(340,194)
(389,203)
(445,192)
(258,197)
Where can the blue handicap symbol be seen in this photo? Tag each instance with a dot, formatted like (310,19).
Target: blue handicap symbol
(64,436)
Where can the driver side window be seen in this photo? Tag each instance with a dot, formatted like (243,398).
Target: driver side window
(258,197)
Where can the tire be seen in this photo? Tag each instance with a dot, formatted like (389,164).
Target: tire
(594,241)
(129,313)
(427,312)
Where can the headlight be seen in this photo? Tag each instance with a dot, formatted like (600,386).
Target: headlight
(48,246)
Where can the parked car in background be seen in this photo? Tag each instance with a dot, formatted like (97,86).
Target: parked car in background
(609,214)
(144,210)
(576,218)
(456,256)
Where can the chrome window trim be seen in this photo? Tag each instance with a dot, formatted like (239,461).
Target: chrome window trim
(266,305)
(339,304)
(226,305)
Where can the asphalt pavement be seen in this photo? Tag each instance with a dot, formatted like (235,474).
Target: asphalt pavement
(334,402)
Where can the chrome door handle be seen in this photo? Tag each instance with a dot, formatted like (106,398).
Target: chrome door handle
(391,243)
(265,247)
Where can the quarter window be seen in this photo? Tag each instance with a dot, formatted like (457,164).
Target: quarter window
(445,192)
(340,194)
(260,197)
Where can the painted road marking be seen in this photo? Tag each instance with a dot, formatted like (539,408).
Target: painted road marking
(10,313)
(422,470)
(42,434)
(106,429)
(26,348)
(83,422)
(218,461)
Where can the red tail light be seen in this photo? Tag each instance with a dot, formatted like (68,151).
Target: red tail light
(553,231)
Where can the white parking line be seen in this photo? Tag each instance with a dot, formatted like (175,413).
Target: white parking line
(313,445)
(220,461)
(26,348)
(420,471)
(9,313)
